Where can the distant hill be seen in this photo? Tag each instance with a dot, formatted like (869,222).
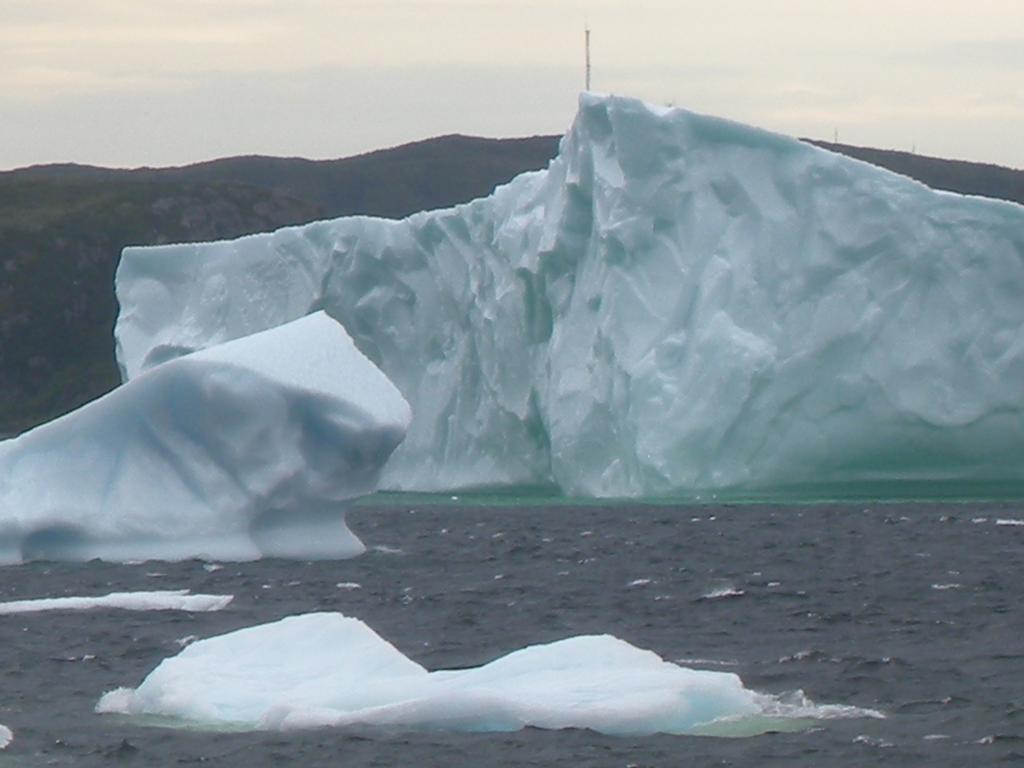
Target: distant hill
(951,175)
(392,183)
(59,244)
(62,229)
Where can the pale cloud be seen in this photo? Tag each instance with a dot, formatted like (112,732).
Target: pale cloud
(800,66)
(41,83)
(321,113)
(135,35)
(1001,54)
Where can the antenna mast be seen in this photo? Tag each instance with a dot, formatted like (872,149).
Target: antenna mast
(586,41)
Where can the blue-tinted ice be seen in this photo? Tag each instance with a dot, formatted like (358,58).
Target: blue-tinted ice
(678,305)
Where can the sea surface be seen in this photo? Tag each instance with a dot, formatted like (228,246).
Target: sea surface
(913,610)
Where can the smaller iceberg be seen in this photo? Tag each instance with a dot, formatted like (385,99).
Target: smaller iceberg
(6,737)
(326,669)
(243,450)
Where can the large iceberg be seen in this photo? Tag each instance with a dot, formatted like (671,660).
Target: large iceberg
(243,450)
(679,305)
(323,669)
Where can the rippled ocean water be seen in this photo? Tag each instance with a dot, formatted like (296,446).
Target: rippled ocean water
(914,610)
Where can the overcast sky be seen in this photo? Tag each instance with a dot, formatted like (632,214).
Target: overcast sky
(150,82)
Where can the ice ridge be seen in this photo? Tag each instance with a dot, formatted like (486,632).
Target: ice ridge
(679,305)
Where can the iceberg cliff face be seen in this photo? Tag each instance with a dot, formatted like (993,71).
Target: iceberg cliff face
(245,450)
(678,305)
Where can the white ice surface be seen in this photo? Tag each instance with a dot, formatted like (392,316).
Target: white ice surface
(678,305)
(324,669)
(6,737)
(235,452)
(164,600)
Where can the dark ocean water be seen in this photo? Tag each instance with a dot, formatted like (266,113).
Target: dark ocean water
(912,610)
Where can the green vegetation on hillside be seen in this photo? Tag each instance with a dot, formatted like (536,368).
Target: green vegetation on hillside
(59,245)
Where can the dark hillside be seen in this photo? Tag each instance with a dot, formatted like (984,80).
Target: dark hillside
(951,175)
(391,183)
(62,229)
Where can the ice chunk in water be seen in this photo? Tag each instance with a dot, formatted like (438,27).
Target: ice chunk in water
(328,669)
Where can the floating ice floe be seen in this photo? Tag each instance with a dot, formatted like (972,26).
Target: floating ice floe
(166,600)
(678,305)
(246,449)
(6,737)
(719,593)
(326,669)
